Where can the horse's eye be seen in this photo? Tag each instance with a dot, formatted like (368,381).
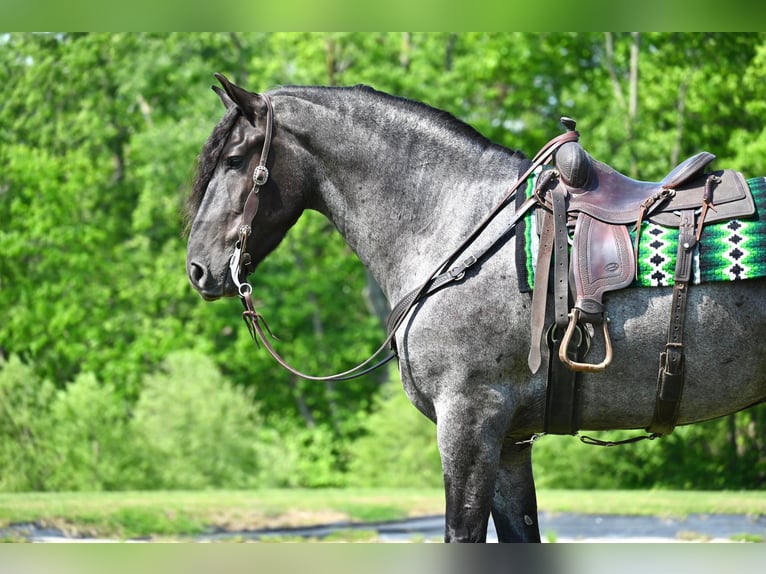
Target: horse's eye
(235,162)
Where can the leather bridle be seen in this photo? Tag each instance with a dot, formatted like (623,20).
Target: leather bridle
(447,272)
(240,259)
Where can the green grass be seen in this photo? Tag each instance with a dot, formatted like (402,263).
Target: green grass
(158,513)
(179,513)
(653,502)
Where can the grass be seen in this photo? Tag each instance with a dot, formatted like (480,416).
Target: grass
(127,515)
(157,513)
(670,503)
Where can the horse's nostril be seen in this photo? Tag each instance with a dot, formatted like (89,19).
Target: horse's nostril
(197,273)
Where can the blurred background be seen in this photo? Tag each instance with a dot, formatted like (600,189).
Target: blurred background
(115,375)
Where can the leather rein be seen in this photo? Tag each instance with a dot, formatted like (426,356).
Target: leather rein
(447,272)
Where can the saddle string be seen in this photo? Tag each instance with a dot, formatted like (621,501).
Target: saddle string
(592,441)
(707,202)
(443,274)
(643,210)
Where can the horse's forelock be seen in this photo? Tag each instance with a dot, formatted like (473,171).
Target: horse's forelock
(206,163)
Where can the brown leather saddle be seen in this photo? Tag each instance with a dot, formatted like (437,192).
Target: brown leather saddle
(585,240)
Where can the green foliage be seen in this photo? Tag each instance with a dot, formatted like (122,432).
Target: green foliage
(304,457)
(71,439)
(25,462)
(722,454)
(89,438)
(398,448)
(98,135)
(195,429)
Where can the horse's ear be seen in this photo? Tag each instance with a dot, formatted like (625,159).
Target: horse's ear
(224,97)
(244,100)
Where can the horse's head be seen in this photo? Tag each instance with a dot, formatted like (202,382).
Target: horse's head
(236,213)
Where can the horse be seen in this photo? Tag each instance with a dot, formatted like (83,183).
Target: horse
(406,184)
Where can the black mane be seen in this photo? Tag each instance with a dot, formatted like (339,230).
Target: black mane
(210,154)
(207,161)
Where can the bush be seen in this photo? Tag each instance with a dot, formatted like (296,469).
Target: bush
(189,429)
(89,436)
(304,457)
(399,448)
(25,458)
(196,430)
(70,439)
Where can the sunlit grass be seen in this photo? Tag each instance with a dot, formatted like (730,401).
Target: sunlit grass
(184,513)
(653,502)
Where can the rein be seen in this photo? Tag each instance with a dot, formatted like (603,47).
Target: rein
(444,273)
(240,259)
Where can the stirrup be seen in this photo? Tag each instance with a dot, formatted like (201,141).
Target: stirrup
(574,318)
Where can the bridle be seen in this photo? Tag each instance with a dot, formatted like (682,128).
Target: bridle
(448,271)
(240,260)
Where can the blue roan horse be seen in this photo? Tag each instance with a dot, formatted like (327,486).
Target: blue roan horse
(405,184)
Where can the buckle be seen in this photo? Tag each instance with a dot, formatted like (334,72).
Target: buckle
(260,175)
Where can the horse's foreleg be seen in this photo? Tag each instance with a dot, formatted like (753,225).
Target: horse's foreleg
(470,450)
(514,506)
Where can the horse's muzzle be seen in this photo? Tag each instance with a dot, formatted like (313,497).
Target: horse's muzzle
(206,284)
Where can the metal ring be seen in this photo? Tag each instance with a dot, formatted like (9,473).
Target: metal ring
(554,327)
(245,289)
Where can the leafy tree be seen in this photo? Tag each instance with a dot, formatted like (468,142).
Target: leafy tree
(25,460)
(98,135)
(197,434)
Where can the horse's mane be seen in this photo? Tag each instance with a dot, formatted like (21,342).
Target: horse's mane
(440,117)
(206,163)
(210,154)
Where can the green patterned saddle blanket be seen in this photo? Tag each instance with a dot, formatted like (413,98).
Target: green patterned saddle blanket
(728,251)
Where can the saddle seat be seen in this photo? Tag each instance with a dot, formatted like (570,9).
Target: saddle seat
(602,192)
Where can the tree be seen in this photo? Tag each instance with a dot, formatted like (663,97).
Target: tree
(98,135)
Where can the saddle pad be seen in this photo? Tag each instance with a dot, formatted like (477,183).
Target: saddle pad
(730,250)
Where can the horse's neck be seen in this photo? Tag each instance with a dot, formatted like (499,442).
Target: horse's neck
(402,186)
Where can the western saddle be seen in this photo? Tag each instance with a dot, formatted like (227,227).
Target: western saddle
(589,205)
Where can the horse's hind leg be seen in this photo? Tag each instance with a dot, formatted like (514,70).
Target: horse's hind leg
(514,506)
